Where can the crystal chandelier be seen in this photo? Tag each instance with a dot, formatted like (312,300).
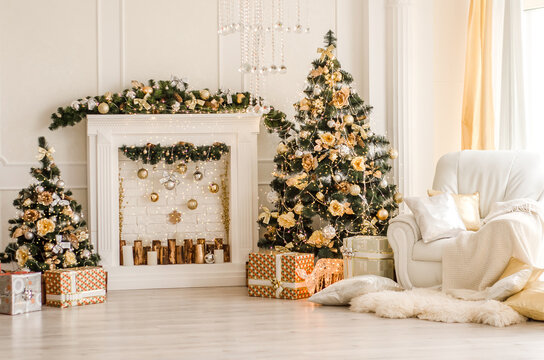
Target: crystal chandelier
(262,26)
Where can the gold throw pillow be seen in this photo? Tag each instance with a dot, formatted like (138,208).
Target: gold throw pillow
(516,265)
(530,301)
(468,206)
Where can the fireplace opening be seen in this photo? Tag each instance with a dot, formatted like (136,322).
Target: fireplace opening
(173,209)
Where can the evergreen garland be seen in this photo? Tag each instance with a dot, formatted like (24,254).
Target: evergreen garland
(182,151)
(158,97)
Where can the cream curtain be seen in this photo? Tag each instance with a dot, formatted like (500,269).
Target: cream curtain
(477,116)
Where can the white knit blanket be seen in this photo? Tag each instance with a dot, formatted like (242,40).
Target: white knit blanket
(475,260)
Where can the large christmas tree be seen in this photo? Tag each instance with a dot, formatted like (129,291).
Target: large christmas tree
(330,174)
(49,230)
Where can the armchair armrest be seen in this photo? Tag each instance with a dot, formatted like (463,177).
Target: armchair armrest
(402,235)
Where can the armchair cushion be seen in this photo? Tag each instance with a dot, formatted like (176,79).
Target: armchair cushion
(437,216)
(430,251)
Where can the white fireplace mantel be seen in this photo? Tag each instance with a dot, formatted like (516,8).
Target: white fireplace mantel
(107,133)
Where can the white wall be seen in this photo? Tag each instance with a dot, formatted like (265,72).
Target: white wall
(56,51)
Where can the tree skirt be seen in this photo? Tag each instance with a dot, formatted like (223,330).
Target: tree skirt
(433,305)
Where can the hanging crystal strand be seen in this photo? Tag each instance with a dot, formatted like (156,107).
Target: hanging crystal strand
(283,68)
(221,17)
(298,25)
(245,67)
(232,15)
(307,16)
(273,68)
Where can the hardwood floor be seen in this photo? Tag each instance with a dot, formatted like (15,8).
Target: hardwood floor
(224,323)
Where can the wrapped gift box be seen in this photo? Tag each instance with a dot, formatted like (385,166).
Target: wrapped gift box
(279,275)
(20,292)
(75,286)
(368,255)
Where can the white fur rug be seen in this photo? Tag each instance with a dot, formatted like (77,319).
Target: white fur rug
(433,305)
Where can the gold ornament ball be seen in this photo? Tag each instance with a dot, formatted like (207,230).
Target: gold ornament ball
(192,204)
(320,196)
(154,197)
(197,175)
(214,188)
(337,76)
(348,119)
(393,153)
(147,89)
(103,108)
(181,168)
(398,197)
(354,189)
(382,214)
(142,173)
(204,94)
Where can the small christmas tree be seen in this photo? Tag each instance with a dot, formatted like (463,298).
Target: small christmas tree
(49,230)
(330,175)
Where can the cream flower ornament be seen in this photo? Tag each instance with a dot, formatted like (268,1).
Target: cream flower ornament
(45,226)
(358,163)
(327,138)
(287,220)
(317,239)
(282,148)
(336,208)
(340,98)
(69,259)
(22,255)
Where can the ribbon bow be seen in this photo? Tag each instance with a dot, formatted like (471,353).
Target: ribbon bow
(136,84)
(143,102)
(191,104)
(58,201)
(277,286)
(178,83)
(347,252)
(284,249)
(326,52)
(267,214)
(42,152)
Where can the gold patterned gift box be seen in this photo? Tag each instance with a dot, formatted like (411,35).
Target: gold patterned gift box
(20,292)
(279,275)
(75,286)
(368,255)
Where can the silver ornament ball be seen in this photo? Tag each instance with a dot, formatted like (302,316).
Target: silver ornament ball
(169,185)
(355,190)
(76,218)
(299,153)
(60,183)
(39,189)
(331,123)
(272,197)
(209,258)
(29,235)
(329,232)
(85,254)
(317,90)
(383,183)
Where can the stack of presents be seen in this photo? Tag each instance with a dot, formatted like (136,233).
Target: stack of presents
(291,275)
(22,292)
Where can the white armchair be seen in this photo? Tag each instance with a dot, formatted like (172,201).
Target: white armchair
(496,175)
